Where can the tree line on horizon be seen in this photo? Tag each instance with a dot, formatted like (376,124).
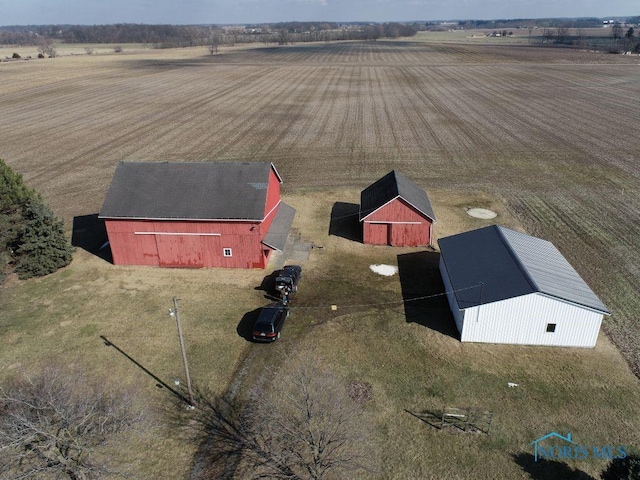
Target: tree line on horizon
(583,22)
(553,30)
(169,36)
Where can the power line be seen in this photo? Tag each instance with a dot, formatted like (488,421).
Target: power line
(346,216)
(394,302)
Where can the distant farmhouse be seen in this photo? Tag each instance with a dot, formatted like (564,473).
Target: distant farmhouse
(195,214)
(395,211)
(507,287)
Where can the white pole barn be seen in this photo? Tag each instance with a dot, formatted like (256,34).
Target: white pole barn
(505,286)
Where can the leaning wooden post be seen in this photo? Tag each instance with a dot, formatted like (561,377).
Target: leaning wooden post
(184,353)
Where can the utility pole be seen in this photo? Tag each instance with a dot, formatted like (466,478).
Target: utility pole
(174,313)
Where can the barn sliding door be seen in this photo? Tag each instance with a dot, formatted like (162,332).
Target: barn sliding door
(408,234)
(185,251)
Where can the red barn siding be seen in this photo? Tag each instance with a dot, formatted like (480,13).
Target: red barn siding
(273,192)
(397,223)
(396,211)
(134,243)
(128,249)
(273,199)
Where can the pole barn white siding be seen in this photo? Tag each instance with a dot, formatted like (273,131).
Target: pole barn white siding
(523,320)
(458,314)
(525,284)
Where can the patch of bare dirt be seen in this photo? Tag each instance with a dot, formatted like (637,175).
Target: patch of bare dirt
(360,392)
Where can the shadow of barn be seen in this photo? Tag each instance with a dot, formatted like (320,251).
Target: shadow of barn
(345,221)
(419,278)
(90,234)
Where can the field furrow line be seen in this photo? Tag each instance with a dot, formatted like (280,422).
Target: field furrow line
(325,108)
(291,104)
(153,128)
(416,104)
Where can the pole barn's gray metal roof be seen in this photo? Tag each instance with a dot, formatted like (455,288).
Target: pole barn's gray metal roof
(391,186)
(495,263)
(279,229)
(188,191)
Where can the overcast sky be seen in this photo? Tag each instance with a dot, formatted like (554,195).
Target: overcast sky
(90,12)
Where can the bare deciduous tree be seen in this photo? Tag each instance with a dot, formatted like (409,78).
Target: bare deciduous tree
(283,37)
(302,425)
(51,425)
(216,40)
(308,421)
(373,32)
(562,33)
(580,38)
(616,32)
(46,47)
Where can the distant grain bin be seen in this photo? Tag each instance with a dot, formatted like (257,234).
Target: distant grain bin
(507,287)
(194,215)
(395,211)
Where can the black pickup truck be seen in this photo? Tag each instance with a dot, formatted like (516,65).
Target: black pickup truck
(287,280)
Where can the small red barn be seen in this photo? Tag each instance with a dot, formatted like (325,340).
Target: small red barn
(395,211)
(195,214)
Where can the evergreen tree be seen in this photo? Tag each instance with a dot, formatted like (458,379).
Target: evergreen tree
(13,193)
(31,237)
(42,246)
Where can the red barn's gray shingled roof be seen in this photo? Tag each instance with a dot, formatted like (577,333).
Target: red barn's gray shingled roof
(389,187)
(510,264)
(188,191)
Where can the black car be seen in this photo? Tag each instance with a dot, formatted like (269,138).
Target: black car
(269,323)
(287,279)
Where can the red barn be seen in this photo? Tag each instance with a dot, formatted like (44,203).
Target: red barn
(395,211)
(195,214)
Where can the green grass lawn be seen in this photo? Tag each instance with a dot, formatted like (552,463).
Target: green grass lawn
(407,351)
(60,318)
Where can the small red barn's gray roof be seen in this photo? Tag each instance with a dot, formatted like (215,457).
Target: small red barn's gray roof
(188,191)
(389,187)
(509,264)
(279,229)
